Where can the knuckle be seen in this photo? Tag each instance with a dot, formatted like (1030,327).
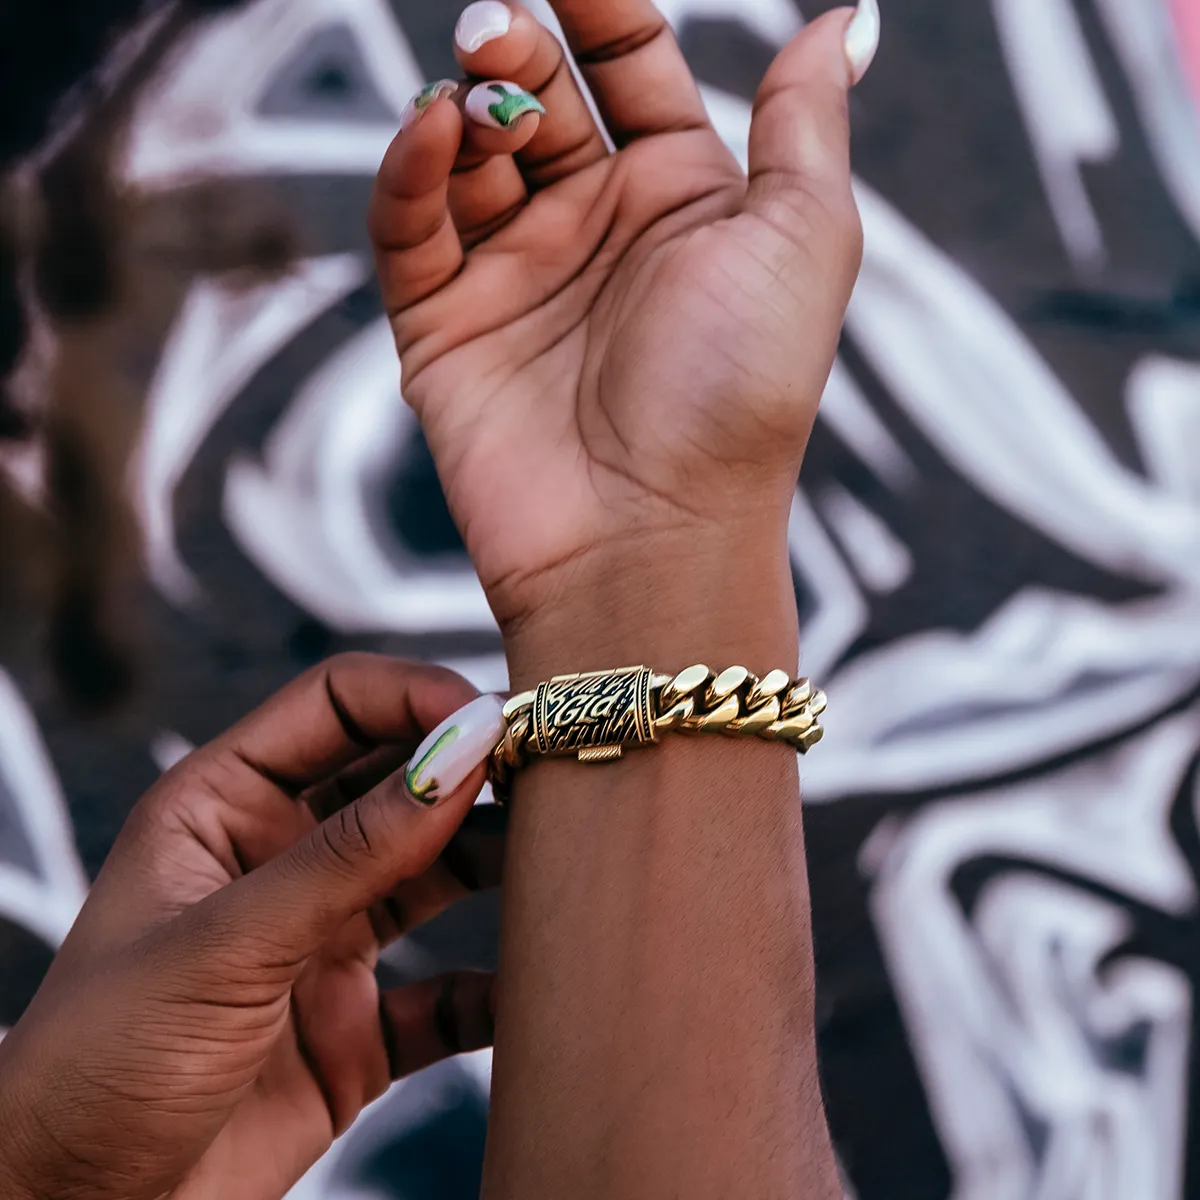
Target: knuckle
(357,834)
(340,841)
(825,217)
(848,229)
(355,831)
(175,806)
(350,662)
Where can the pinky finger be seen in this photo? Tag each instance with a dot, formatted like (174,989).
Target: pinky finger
(417,248)
(439,1018)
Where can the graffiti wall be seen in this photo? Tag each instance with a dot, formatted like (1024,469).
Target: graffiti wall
(995,542)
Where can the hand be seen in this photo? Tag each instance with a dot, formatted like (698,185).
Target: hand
(213,1020)
(609,346)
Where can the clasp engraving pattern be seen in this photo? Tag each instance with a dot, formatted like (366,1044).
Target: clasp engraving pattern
(581,712)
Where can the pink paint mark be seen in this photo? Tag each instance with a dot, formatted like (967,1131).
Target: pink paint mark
(1187,23)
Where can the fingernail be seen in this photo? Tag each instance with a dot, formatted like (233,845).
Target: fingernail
(414,110)
(480,23)
(458,746)
(500,105)
(862,38)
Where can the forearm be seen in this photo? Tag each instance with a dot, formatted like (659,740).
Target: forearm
(655,1031)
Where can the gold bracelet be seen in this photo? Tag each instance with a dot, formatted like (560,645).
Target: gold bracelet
(598,716)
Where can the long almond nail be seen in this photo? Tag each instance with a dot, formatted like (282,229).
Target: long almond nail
(456,748)
(862,38)
(480,23)
(500,105)
(414,110)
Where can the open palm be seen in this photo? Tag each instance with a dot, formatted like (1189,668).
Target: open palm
(600,343)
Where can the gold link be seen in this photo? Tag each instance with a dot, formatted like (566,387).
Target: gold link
(523,700)
(810,739)
(725,684)
(515,740)
(798,696)
(683,683)
(677,716)
(767,688)
(790,728)
(756,722)
(729,710)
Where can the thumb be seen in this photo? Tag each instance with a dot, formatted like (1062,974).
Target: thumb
(800,134)
(286,909)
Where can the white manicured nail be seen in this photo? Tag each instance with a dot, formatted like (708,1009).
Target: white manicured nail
(414,110)
(500,105)
(458,746)
(480,23)
(862,38)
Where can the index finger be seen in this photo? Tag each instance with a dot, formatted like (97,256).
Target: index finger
(339,712)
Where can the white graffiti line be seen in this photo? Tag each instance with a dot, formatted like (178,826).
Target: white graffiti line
(1108,1132)
(984,396)
(840,611)
(35,906)
(730,117)
(1066,113)
(489,672)
(198,117)
(1146,41)
(377,1126)
(775,21)
(478,1066)
(1164,409)
(320,1183)
(1046,675)
(308,513)
(1005,1003)
(222,337)
(849,414)
(47,902)
(169,749)
(880,559)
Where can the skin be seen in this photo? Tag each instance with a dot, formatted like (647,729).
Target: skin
(617,359)
(213,1020)
(617,331)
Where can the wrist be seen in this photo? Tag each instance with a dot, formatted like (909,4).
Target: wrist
(666,600)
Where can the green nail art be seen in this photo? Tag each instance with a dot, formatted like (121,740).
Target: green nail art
(421,788)
(434,91)
(415,108)
(512,105)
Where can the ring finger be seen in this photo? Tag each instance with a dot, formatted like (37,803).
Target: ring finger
(496,40)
